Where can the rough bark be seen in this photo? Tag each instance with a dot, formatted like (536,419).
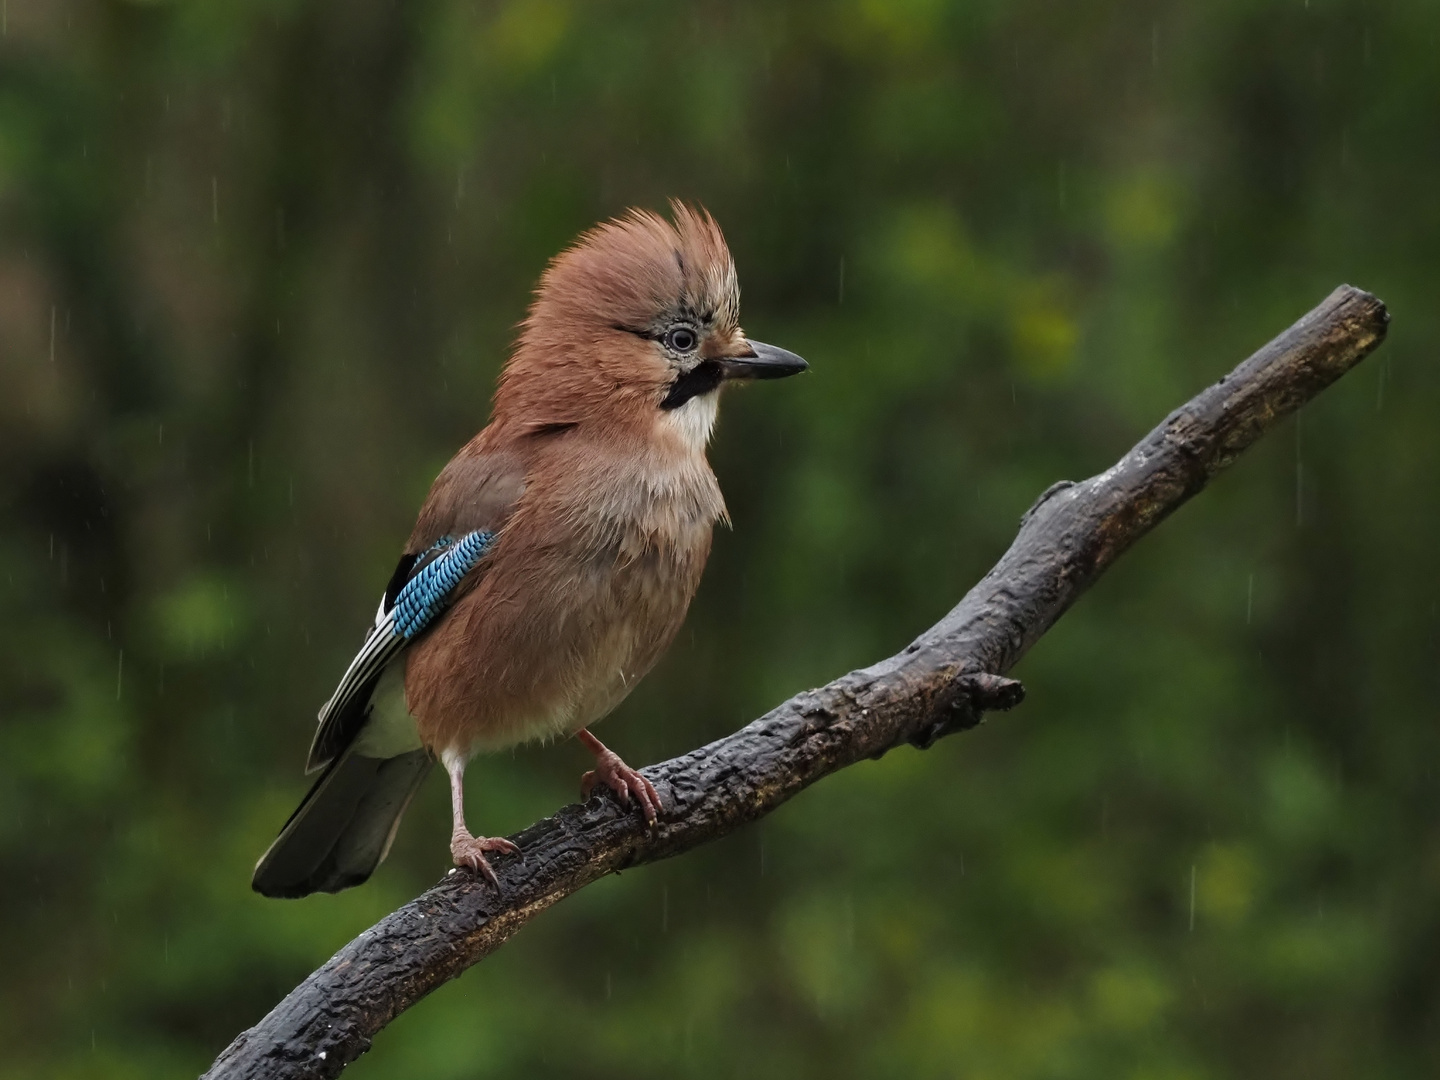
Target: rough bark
(941,683)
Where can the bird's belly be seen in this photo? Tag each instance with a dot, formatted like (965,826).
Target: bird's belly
(505,669)
(562,703)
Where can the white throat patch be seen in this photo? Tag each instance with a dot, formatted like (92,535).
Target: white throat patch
(695,420)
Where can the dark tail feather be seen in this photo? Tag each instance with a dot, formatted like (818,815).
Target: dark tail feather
(343,828)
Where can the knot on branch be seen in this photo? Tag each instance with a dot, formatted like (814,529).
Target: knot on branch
(964,703)
(1045,496)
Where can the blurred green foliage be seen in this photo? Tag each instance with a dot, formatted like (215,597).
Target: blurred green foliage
(259,266)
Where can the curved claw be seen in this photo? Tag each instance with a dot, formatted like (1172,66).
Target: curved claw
(624,782)
(468,853)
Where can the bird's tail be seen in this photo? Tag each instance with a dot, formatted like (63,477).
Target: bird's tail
(343,828)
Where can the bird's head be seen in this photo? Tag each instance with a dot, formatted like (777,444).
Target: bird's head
(640,320)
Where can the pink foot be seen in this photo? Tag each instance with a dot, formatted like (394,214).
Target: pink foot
(624,782)
(469,853)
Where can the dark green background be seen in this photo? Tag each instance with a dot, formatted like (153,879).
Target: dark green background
(260,265)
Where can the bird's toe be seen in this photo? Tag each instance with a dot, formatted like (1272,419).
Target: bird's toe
(468,853)
(627,784)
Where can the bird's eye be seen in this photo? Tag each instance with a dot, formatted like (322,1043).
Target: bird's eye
(681,339)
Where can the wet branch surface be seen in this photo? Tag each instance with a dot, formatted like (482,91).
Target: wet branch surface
(941,683)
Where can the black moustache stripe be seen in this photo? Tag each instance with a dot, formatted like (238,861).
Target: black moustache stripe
(701,379)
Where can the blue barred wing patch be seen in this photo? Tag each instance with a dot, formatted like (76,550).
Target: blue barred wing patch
(423,597)
(427,593)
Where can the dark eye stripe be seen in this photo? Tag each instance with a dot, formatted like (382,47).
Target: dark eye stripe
(701,379)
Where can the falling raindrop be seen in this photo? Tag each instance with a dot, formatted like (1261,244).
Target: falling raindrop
(119,674)
(841,291)
(1192,898)
(1299,476)
(1249,599)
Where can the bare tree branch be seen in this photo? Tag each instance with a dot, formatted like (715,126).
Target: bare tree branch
(939,684)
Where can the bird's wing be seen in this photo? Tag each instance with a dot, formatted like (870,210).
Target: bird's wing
(471,499)
(419,592)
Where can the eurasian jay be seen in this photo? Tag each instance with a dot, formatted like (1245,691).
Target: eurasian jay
(555,556)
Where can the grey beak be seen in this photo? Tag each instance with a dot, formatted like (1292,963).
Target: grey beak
(763,362)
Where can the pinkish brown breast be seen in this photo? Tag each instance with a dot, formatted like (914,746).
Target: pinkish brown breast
(586,586)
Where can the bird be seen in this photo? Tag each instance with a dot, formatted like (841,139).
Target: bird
(554,559)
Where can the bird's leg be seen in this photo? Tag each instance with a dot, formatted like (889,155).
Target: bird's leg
(469,851)
(618,777)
